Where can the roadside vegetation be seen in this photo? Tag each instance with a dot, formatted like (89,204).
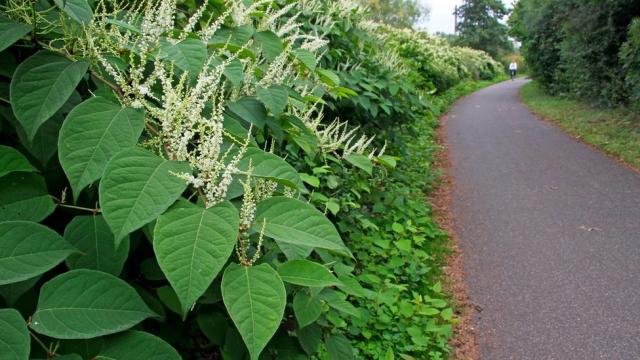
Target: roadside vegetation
(227,179)
(616,131)
(585,59)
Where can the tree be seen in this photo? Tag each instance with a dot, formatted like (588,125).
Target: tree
(398,13)
(481,28)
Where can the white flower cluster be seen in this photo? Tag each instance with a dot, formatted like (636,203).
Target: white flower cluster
(185,111)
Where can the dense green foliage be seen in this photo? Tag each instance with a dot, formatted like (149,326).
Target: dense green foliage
(398,13)
(175,181)
(584,49)
(481,26)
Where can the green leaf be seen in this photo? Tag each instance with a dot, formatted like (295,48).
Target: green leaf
(270,166)
(83,304)
(255,298)
(23,196)
(274,98)
(361,161)
(328,77)
(92,133)
(306,57)
(295,222)
(169,298)
(234,72)
(40,86)
(152,302)
(233,35)
(92,236)
(270,44)
(250,110)
(11,160)
(306,273)
(192,244)
(29,249)
(12,292)
(214,326)
(136,187)
(339,348)
(337,300)
(309,338)
(78,10)
(45,144)
(306,308)
(135,345)
(15,343)
(188,55)
(11,31)
(310,179)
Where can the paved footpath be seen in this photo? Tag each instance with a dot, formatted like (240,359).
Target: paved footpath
(549,231)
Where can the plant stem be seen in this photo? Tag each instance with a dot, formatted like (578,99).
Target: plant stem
(94,211)
(44,347)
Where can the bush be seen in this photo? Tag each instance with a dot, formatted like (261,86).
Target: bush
(630,57)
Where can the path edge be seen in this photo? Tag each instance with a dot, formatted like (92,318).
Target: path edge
(464,342)
(556,124)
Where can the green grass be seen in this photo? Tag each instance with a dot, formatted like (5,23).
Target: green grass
(616,131)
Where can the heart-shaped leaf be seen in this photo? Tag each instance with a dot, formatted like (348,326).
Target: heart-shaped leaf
(15,343)
(136,187)
(40,86)
(83,304)
(255,298)
(11,31)
(29,249)
(91,134)
(135,345)
(23,196)
(192,244)
(11,160)
(295,222)
(92,236)
(307,273)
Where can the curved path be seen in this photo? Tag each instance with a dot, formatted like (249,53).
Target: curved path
(549,232)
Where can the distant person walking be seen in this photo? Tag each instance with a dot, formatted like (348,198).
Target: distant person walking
(513,69)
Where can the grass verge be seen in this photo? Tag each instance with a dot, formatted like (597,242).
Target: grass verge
(615,131)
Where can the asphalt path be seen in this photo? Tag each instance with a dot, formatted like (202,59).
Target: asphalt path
(549,231)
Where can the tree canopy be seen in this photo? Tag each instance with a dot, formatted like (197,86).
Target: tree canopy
(398,13)
(481,26)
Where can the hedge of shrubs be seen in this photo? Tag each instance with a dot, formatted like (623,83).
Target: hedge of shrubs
(583,49)
(227,179)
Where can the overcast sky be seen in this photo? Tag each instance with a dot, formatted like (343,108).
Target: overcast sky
(441,18)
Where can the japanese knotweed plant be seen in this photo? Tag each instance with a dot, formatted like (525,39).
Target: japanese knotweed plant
(165,120)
